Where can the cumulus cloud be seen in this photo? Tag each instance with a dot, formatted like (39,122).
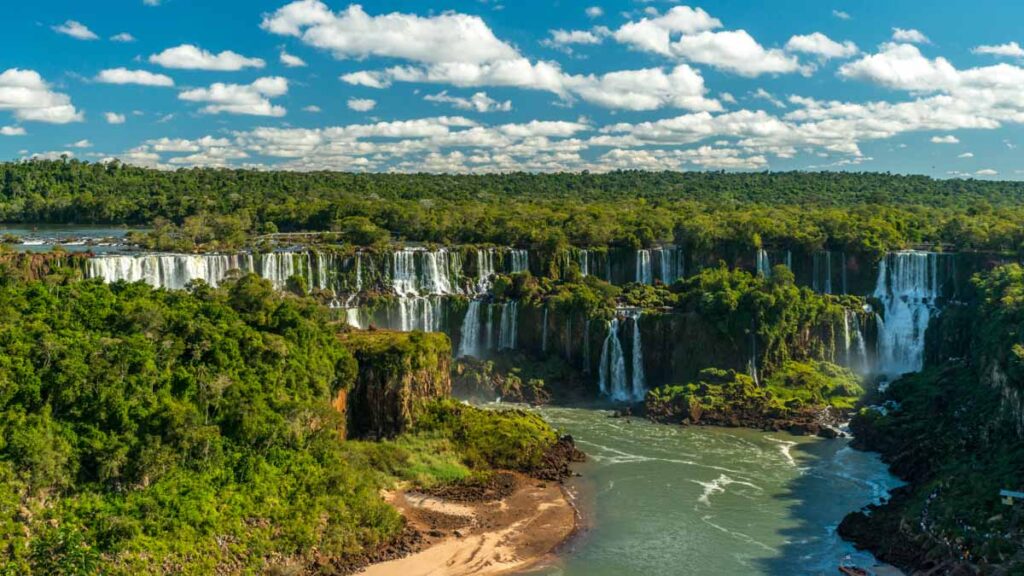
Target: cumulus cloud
(250,99)
(122,37)
(1009,50)
(479,101)
(821,45)
(126,76)
(594,12)
(690,34)
(352,33)
(987,172)
(909,35)
(947,139)
(76,30)
(81,144)
(902,66)
(30,98)
(564,39)
(312,108)
(292,61)
(841,15)
(647,89)
(12,131)
(361,104)
(966,155)
(114,118)
(190,57)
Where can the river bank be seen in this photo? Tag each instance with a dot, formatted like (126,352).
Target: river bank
(480,537)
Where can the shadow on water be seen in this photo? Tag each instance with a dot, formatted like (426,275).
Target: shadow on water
(835,480)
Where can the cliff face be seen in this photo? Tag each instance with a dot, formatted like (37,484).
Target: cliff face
(38,265)
(398,372)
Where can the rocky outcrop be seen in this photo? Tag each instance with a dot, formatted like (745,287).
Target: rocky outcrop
(398,372)
(38,265)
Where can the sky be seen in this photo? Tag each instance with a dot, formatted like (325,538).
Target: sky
(899,86)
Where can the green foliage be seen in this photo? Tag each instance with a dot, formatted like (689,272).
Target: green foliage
(510,439)
(815,384)
(213,208)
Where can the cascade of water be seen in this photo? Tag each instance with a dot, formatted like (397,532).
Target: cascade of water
(789,259)
(639,380)
(846,335)
(612,372)
(352,317)
(752,364)
(485,270)
(908,287)
(175,271)
(520,261)
(667,263)
(437,278)
(862,349)
(403,273)
(763,264)
(584,262)
(490,327)
(644,273)
(508,327)
(470,344)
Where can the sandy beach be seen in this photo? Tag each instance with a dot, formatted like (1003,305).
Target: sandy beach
(483,538)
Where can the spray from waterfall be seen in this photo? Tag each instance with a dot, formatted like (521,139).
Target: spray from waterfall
(644,272)
(908,287)
(470,342)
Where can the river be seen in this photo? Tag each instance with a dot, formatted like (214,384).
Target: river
(670,500)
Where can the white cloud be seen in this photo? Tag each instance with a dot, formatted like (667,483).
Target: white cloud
(114,118)
(821,45)
(902,66)
(966,155)
(81,144)
(292,61)
(361,104)
(647,89)
(151,2)
(735,51)
(352,33)
(251,99)
(655,34)
(731,50)
(947,139)
(30,98)
(368,79)
(564,38)
(12,131)
(125,76)
(909,35)
(312,108)
(122,37)
(76,30)
(841,15)
(190,57)
(987,172)
(479,102)
(762,94)
(594,12)
(1010,50)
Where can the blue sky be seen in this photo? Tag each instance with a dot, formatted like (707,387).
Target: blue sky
(489,85)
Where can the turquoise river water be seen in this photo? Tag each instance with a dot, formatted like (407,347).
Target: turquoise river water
(660,499)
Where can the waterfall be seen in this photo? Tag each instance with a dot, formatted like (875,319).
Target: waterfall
(508,327)
(484,270)
(639,381)
(644,273)
(403,274)
(584,262)
(352,317)
(908,287)
(490,327)
(470,343)
(789,259)
(424,313)
(520,261)
(763,264)
(668,267)
(612,372)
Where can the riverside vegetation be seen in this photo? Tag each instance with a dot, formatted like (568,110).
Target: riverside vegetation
(148,431)
(156,430)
